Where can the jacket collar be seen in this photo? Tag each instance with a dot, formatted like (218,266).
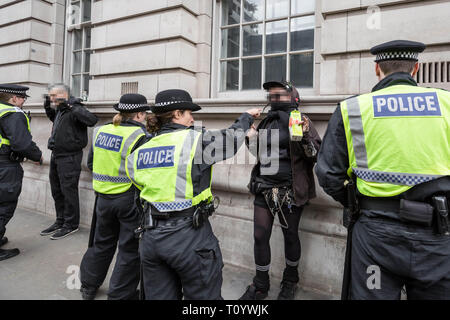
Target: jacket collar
(171,127)
(394,79)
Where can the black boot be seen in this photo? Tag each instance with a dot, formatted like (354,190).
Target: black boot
(88,293)
(6,254)
(259,289)
(288,289)
(3,241)
(252,293)
(289,283)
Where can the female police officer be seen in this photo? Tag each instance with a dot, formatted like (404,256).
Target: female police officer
(180,256)
(115,211)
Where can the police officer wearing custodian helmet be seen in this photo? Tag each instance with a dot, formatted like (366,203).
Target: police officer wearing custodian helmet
(394,144)
(180,255)
(16,144)
(115,216)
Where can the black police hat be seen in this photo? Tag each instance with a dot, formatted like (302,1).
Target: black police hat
(132,102)
(14,89)
(398,50)
(174,99)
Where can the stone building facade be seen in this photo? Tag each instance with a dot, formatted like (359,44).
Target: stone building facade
(221,51)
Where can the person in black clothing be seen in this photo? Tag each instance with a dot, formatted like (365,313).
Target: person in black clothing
(116,216)
(282,184)
(16,144)
(406,254)
(67,140)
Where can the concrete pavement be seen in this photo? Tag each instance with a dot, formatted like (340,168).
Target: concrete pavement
(48,269)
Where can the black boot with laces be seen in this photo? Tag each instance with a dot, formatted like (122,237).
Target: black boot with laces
(288,289)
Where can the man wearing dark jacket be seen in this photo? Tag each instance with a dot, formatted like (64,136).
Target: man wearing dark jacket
(67,140)
(16,144)
(282,182)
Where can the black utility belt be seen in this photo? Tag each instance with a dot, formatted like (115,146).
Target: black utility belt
(413,212)
(199,214)
(157,215)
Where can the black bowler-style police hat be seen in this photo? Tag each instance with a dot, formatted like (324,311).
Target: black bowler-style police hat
(398,50)
(174,99)
(14,89)
(132,102)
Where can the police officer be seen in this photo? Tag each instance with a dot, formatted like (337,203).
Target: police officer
(180,255)
(16,144)
(115,212)
(394,142)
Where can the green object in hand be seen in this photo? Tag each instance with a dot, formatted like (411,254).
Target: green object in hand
(295,128)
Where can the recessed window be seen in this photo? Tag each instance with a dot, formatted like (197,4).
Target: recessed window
(264,40)
(79,44)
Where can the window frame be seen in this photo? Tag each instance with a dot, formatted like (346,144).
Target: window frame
(70,29)
(216,76)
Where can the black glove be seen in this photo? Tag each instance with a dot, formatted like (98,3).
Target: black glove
(47,102)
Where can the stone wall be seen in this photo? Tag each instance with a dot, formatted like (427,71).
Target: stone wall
(31,43)
(160,44)
(350,29)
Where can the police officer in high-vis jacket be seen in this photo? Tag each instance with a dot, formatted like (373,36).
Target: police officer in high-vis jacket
(16,144)
(180,255)
(115,216)
(394,144)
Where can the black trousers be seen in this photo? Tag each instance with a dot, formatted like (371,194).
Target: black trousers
(11,175)
(387,255)
(117,218)
(180,261)
(64,177)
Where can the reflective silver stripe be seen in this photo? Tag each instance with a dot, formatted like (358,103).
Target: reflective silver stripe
(130,166)
(356,128)
(262,268)
(398,178)
(105,178)
(183,163)
(2,111)
(127,144)
(292,263)
(94,137)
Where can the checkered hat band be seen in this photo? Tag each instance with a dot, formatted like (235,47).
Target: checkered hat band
(125,106)
(404,179)
(105,178)
(397,55)
(168,103)
(172,206)
(13,91)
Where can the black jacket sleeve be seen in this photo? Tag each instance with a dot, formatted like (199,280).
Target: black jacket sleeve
(81,114)
(219,145)
(311,143)
(90,159)
(16,129)
(332,160)
(51,113)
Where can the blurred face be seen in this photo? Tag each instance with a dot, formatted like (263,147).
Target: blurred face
(184,118)
(278,95)
(18,101)
(57,96)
